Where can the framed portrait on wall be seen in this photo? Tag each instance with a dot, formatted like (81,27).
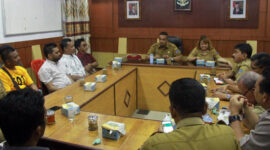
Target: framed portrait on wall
(133,9)
(238,10)
(182,5)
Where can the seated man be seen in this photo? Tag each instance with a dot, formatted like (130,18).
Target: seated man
(88,61)
(70,63)
(241,56)
(22,120)
(14,77)
(187,105)
(258,139)
(246,84)
(165,49)
(49,73)
(259,62)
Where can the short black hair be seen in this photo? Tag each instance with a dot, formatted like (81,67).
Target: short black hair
(21,112)
(265,83)
(187,96)
(48,49)
(163,33)
(244,48)
(78,42)
(5,50)
(261,59)
(64,43)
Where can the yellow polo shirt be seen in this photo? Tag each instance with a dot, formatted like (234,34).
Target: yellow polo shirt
(20,76)
(193,134)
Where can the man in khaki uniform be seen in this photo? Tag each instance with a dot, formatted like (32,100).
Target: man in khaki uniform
(241,56)
(187,99)
(165,49)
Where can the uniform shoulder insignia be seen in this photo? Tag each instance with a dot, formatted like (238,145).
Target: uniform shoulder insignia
(177,51)
(240,70)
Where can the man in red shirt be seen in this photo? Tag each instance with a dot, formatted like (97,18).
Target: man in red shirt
(88,61)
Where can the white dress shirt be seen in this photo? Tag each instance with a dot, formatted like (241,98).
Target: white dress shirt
(71,65)
(49,71)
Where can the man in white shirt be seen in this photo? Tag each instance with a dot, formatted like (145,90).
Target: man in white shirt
(70,63)
(49,73)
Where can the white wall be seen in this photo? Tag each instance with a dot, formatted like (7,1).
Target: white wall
(17,38)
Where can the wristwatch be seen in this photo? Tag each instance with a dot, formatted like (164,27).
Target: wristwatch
(234,118)
(228,96)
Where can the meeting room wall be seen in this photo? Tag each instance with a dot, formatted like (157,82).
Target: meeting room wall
(24,42)
(105,30)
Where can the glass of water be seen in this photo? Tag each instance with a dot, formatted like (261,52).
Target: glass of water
(71,114)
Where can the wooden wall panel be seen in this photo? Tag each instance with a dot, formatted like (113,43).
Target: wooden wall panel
(139,46)
(24,48)
(160,13)
(104,44)
(264,46)
(140,38)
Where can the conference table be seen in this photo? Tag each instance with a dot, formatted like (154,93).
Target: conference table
(133,86)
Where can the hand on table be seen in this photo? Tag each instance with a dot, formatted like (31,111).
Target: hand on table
(220,95)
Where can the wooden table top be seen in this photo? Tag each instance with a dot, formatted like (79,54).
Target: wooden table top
(137,131)
(82,97)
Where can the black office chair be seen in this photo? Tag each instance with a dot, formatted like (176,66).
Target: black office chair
(177,41)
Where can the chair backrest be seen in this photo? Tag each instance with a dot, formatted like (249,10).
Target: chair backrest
(35,65)
(177,41)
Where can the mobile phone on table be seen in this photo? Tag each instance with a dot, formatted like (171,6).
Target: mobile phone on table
(54,108)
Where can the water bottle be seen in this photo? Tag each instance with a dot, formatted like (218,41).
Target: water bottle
(167,124)
(151,58)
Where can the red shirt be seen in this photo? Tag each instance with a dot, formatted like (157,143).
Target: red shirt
(86,58)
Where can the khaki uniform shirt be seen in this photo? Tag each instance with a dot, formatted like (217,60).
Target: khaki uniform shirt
(170,49)
(241,68)
(209,55)
(193,134)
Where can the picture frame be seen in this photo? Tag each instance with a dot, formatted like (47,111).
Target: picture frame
(133,9)
(238,10)
(182,5)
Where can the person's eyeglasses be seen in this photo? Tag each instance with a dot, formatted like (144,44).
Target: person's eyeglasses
(84,45)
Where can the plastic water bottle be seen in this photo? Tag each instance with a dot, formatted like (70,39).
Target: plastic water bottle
(167,124)
(151,58)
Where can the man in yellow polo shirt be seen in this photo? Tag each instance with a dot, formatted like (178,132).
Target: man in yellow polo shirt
(21,78)
(165,49)
(187,105)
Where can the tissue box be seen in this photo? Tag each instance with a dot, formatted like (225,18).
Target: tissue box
(204,77)
(116,65)
(119,59)
(89,86)
(113,130)
(101,78)
(210,64)
(69,107)
(213,102)
(160,61)
(200,62)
